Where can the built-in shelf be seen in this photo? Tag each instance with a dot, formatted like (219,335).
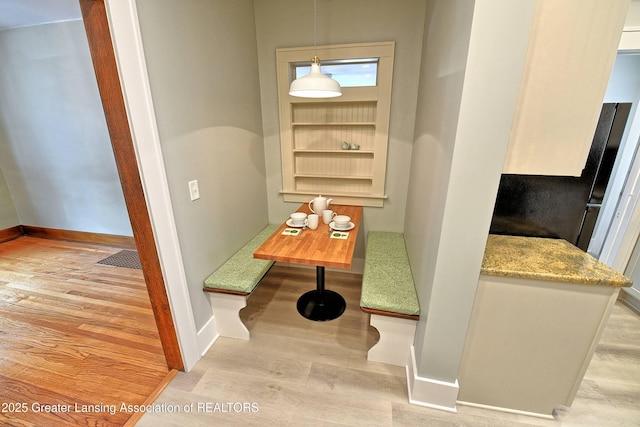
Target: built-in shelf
(314,131)
(322,176)
(349,152)
(339,198)
(334,124)
(311,194)
(318,162)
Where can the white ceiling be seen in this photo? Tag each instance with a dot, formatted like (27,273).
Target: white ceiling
(20,13)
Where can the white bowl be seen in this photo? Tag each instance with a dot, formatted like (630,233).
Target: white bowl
(298,218)
(341,221)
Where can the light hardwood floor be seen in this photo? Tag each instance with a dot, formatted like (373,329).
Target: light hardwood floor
(295,372)
(73,332)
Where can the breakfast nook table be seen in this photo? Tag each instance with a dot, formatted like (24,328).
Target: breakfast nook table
(322,247)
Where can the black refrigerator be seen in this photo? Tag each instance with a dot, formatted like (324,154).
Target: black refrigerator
(562,206)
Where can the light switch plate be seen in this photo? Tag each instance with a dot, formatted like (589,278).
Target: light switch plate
(194,191)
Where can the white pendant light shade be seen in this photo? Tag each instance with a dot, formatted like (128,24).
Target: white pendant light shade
(315,84)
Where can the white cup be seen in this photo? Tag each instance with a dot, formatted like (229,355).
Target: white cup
(298,218)
(327,215)
(341,221)
(312,221)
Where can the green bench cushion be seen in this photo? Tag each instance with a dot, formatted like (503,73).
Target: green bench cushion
(242,272)
(387,283)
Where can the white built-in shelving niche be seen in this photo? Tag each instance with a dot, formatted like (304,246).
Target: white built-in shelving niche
(313,131)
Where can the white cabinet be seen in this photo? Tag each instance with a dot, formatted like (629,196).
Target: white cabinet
(540,308)
(530,342)
(571,53)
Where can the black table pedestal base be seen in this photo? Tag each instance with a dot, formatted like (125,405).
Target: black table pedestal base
(320,304)
(321,307)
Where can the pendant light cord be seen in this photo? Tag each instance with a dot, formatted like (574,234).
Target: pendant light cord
(315,28)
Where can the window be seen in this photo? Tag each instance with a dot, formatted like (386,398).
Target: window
(313,131)
(349,73)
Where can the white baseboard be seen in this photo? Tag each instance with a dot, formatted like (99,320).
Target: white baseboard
(507,410)
(631,297)
(207,336)
(428,392)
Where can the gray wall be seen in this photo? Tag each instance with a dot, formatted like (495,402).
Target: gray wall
(203,70)
(442,78)
(203,59)
(473,58)
(55,151)
(8,215)
(289,23)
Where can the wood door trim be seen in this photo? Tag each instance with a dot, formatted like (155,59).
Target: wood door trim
(101,47)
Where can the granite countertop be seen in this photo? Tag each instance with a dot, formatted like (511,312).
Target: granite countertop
(546,259)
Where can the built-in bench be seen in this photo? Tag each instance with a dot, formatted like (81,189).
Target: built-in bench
(389,296)
(232,283)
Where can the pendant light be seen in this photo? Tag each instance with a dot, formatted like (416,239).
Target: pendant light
(315,84)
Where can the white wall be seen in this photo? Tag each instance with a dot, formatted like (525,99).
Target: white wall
(289,23)
(624,86)
(55,151)
(633,14)
(203,71)
(473,58)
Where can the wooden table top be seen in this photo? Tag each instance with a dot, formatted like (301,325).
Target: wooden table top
(313,247)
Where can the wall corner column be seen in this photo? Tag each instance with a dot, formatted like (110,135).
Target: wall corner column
(473,60)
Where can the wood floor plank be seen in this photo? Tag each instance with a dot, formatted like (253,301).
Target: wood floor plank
(73,386)
(99,288)
(299,372)
(74,332)
(68,321)
(35,414)
(70,300)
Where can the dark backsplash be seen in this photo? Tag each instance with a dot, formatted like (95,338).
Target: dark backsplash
(540,206)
